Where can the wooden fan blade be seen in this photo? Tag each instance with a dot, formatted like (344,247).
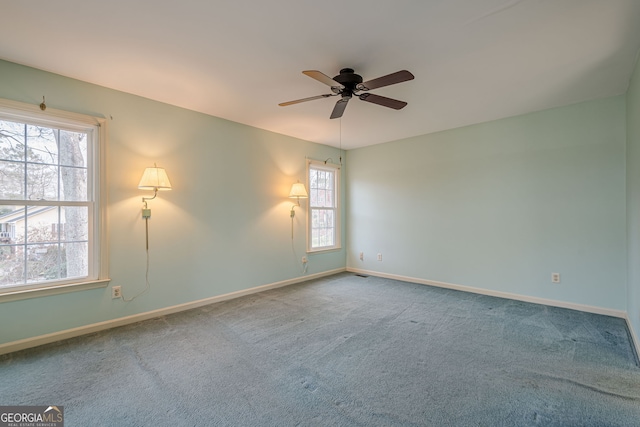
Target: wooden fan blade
(297,101)
(383,100)
(322,78)
(389,79)
(338,110)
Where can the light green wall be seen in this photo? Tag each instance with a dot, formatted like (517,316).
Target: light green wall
(500,205)
(224,227)
(633,201)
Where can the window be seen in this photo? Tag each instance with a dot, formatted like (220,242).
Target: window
(323,223)
(50,213)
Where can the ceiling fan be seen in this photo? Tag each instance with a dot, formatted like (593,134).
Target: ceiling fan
(348,83)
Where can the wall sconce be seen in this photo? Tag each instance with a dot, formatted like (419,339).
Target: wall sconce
(155,179)
(297,191)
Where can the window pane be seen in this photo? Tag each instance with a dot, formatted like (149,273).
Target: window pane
(12,224)
(42,146)
(321,198)
(9,216)
(39,224)
(43,262)
(11,180)
(322,228)
(331,237)
(75,260)
(321,238)
(313,178)
(326,237)
(11,265)
(74,224)
(73,149)
(74,184)
(321,189)
(329,217)
(313,197)
(42,182)
(328,199)
(12,141)
(328,184)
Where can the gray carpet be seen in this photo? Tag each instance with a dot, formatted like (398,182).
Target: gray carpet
(341,351)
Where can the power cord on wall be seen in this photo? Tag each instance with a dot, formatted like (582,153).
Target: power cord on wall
(305,262)
(146,213)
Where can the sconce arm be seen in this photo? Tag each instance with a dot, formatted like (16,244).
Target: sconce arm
(144,199)
(293,212)
(293,207)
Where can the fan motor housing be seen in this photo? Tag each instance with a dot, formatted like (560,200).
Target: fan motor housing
(348,78)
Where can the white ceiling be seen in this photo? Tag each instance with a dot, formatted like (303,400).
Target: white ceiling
(473,60)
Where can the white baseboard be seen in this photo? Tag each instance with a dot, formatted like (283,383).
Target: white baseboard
(95,327)
(635,338)
(507,295)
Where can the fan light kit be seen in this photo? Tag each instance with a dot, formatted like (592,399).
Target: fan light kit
(348,83)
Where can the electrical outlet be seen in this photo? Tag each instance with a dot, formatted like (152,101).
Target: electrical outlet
(116,292)
(555,277)
(379,257)
(304,260)
(361,256)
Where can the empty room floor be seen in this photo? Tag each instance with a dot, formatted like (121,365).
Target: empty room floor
(342,351)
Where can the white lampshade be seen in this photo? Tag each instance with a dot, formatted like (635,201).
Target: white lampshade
(154,178)
(298,190)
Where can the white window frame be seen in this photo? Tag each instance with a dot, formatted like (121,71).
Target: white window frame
(96,180)
(322,165)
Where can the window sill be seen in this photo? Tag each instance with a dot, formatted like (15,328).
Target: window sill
(16,295)
(320,251)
